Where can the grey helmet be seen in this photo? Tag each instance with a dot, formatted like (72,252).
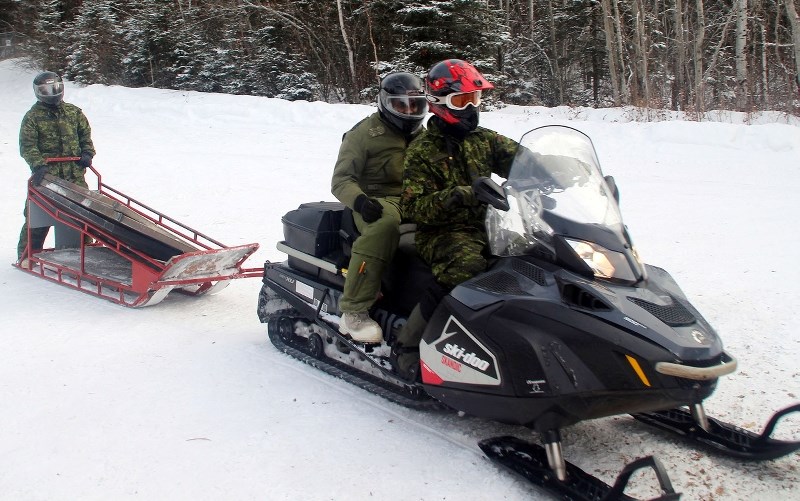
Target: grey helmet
(401,101)
(49,88)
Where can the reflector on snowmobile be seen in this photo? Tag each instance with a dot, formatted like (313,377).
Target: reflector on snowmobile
(110,245)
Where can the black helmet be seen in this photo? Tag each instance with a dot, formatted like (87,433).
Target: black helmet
(49,88)
(401,101)
(454,90)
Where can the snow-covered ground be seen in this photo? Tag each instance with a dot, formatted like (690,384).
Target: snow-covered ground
(189,400)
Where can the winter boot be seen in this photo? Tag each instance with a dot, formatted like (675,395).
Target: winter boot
(405,353)
(361,328)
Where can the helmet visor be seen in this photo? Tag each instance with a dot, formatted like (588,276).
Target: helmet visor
(459,100)
(50,89)
(407,106)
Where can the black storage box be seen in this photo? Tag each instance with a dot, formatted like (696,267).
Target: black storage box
(313,228)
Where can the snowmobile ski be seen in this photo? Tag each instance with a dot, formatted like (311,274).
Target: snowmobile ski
(530,461)
(726,438)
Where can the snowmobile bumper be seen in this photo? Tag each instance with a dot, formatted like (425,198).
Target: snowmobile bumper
(696,373)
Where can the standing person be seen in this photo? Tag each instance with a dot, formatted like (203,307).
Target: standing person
(441,166)
(51,129)
(368,178)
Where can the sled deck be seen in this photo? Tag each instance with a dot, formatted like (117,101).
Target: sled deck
(112,246)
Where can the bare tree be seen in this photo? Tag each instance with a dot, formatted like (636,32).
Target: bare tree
(699,44)
(611,52)
(794,23)
(350,57)
(679,96)
(740,7)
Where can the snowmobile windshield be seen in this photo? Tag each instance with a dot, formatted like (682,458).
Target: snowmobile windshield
(556,189)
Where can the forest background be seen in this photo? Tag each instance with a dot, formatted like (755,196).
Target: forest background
(687,55)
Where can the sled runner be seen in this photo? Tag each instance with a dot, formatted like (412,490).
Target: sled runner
(112,246)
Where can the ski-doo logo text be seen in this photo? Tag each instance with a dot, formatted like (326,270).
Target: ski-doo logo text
(463,357)
(459,353)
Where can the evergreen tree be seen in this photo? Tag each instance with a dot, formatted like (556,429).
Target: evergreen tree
(147,44)
(434,30)
(45,43)
(94,48)
(273,69)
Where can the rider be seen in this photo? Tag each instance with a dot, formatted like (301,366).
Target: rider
(368,178)
(52,128)
(440,168)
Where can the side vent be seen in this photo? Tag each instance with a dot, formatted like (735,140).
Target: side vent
(576,296)
(499,283)
(674,314)
(529,271)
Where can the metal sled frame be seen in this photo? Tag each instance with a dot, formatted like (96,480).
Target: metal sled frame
(137,254)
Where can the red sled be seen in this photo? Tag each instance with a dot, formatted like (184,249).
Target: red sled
(112,246)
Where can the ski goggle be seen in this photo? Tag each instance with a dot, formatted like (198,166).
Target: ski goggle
(458,101)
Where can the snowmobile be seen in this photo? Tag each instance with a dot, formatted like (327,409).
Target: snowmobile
(567,323)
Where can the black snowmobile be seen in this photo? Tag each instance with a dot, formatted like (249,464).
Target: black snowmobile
(567,324)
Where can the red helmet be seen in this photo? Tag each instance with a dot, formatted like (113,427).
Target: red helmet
(452,86)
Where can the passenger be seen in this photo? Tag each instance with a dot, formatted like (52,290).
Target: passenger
(441,166)
(368,178)
(52,129)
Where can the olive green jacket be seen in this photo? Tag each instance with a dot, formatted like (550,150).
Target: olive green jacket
(55,131)
(370,161)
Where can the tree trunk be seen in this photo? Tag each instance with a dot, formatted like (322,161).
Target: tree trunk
(554,43)
(625,89)
(641,83)
(740,6)
(350,58)
(699,75)
(611,52)
(679,92)
(794,22)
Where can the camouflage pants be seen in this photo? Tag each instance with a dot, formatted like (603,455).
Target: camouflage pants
(454,255)
(371,253)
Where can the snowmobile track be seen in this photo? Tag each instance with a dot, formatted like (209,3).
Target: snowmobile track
(413,398)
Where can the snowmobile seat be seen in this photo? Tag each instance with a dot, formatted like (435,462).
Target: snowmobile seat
(327,230)
(348,232)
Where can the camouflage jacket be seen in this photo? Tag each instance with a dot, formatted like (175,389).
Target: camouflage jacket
(60,131)
(435,166)
(370,161)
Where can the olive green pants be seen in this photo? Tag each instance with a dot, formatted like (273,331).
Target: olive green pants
(372,251)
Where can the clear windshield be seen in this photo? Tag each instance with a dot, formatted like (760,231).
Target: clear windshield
(555,183)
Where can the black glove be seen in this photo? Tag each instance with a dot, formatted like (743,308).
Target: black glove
(85,161)
(369,208)
(461,196)
(38,174)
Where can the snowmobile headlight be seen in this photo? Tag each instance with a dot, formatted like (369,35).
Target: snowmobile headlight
(603,262)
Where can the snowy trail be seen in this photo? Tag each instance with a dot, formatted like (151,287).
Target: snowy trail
(189,400)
